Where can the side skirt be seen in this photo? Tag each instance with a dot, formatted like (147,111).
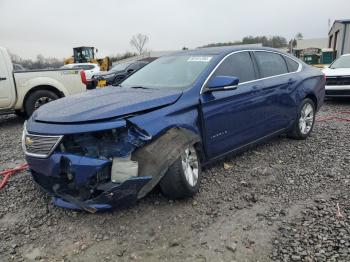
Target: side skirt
(247,146)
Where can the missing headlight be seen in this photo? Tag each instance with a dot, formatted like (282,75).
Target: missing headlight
(103,145)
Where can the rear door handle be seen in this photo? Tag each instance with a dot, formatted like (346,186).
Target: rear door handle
(2,78)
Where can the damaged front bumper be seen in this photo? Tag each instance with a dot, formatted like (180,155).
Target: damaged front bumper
(78,187)
(90,171)
(100,170)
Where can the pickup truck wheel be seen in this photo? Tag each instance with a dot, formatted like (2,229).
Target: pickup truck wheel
(37,99)
(305,120)
(183,177)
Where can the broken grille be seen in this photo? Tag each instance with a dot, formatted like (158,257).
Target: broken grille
(40,146)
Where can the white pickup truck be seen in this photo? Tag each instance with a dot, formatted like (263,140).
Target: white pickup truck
(22,92)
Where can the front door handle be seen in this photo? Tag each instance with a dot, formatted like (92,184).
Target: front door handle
(2,78)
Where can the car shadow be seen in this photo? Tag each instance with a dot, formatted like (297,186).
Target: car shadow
(338,100)
(11,120)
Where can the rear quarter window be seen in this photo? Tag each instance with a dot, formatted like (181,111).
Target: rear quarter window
(291,64)
(270,64)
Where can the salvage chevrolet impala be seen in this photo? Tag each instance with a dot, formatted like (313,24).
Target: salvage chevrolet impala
(112,146)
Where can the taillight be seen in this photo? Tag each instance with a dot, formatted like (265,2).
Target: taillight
(83,77)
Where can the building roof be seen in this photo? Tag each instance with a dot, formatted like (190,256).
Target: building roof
(339,21)
(342,21)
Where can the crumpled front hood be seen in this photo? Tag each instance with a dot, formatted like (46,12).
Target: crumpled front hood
(105,103)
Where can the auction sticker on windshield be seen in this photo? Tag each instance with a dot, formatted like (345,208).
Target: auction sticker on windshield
(199,58)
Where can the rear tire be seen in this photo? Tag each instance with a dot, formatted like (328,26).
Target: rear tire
(37,99)
(183,177)
(304,124)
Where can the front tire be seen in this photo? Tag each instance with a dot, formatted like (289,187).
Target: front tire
(37,99)
(304,124)
(183,177)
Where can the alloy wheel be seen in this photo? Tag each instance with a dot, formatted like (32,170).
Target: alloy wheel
(189,161)
(306,119)
(41,101)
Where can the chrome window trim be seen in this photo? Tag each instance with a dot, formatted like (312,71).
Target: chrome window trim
(25,133)
(252,81)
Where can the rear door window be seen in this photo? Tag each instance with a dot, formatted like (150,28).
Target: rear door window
(270,64)
(238,65)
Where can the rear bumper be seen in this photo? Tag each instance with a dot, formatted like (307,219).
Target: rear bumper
(74,191)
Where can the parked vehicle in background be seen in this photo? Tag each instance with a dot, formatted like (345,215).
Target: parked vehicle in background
(117,73)
(89,68)
(22,92)
(338,77)
(165,121)
(86,54)
(18,67)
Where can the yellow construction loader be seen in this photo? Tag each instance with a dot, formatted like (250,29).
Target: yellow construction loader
(86,54)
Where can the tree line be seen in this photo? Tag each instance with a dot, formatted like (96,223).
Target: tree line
(40,62)
(272,41)
(139,41)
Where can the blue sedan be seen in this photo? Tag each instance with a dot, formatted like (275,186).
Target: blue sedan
(110,147)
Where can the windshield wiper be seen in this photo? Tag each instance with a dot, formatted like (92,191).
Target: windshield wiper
(136,87)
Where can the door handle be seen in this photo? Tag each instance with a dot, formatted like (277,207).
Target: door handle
(2,78)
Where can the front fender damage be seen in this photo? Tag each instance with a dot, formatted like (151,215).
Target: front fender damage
(155,158)
(103,170)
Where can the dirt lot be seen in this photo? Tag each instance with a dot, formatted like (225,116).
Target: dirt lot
(285,200)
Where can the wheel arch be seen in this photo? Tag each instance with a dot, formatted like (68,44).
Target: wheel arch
(57,92)
(155,158)
(313,98)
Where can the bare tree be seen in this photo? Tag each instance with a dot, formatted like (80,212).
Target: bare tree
(138,42)
(299,36)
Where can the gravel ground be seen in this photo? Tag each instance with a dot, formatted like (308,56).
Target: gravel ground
(286,200)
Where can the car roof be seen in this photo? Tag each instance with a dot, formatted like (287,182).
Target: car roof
(224,50)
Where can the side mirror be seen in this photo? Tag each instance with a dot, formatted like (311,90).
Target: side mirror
(130,71)
(222,83)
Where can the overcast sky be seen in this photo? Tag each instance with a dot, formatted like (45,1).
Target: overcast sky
(53,27)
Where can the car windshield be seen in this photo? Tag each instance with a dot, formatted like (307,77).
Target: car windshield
(170,72)
(119,67)
(341,62)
